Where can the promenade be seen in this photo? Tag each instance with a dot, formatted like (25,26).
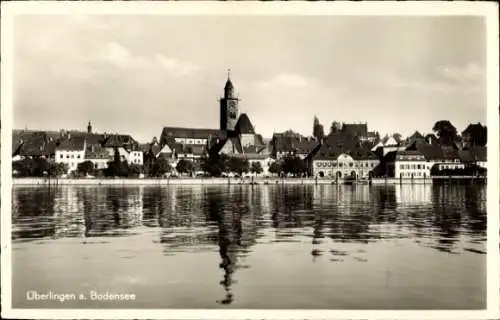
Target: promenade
(225,181)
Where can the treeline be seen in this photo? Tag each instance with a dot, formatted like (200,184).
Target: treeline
(219,165)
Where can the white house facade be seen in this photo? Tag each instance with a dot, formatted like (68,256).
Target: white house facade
(344,166)
(411,164)
(71,153)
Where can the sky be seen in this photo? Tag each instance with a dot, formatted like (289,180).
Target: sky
(135,74)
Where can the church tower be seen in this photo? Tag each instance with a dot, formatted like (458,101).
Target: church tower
(89,128)
(228,108)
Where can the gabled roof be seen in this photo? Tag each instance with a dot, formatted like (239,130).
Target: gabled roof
(363,154)
(190,133)
(337,143)
(390,142)
(416,136)
(72,144)
(259,140)
(34,144)
(254,149)
(297,144)
(97,152)
(119,140)
(359,129)
(244,126)
(378,145)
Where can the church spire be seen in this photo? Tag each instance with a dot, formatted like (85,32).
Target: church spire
(89,128)
(229,88)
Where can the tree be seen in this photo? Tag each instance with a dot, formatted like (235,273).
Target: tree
(185,166)
(318,131)
(161,167)
(85,168)
(149,161)
(291,133)
(134,170)
(475,135)
(256,168)
(294,165)
(398,137)
(58,169)
(237,165)
(214,164)
(335,127)
(446,132)
(21,168)
(275,167)
(117,168)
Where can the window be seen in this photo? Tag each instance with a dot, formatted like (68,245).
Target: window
(413,166)
(61,156)
(372,165)
(340,165)
(72,156)
(418,166)
(401,167)
(78,156)
(67,156)
(351,164)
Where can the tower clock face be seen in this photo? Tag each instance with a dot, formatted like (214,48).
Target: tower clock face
(232,109)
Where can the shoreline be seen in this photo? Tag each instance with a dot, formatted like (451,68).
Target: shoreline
(231,181)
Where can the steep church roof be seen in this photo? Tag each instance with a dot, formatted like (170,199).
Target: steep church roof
(244,126)
(359,129)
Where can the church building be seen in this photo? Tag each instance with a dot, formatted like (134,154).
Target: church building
(235,137)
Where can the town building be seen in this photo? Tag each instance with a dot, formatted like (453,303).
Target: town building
(361,131)
(341,156)
(98,156)
(236,135)
(291,144)
(71,152)
(34,144)
(474,156)
(415,137)
(411,164)
(74,147)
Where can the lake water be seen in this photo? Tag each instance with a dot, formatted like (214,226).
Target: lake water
(242,246)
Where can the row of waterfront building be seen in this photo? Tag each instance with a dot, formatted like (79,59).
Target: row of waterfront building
(352,150)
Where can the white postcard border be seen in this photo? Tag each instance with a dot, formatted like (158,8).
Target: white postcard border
(435,8)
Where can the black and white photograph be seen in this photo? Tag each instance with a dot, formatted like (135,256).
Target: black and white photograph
(259,157)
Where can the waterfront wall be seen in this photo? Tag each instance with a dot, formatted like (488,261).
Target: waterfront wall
(222,181)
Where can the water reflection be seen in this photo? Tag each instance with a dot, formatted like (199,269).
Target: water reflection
(230,220)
